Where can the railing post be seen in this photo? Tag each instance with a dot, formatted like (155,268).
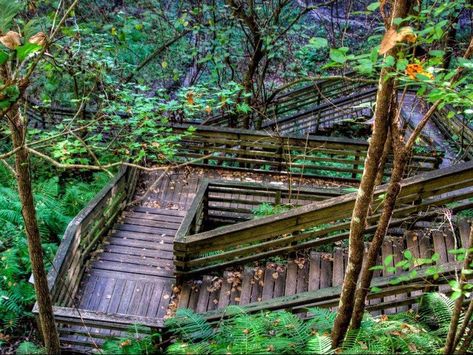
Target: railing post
(319,112)
(357,164)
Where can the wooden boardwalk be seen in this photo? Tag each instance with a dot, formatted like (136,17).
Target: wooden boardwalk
(310,271)
(132,271)
(130,277)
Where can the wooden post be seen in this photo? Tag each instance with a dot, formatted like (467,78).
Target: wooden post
(357,164)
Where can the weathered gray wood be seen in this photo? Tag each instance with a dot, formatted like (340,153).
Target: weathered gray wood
(317,213)
(329,296)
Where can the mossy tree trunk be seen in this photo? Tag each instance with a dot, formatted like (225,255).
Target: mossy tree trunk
(400,9)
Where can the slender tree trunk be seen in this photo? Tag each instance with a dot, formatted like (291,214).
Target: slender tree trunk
(384,159)
(466,319)
(23,177)
(402,152)
(365,191)
(452,332)
(401,158)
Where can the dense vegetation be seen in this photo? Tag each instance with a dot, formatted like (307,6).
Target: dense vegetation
(128,71)
(56,205)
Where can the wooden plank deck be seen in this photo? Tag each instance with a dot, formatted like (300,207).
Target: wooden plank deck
(315,270)
(132,272)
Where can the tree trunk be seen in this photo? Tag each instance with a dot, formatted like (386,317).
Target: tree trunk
(450,41)
(23,177)
(452,332)
(401,158)
(365,191)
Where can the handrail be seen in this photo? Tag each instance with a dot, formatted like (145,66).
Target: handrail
(455,127)
(260,238)
(207,200)
(84,231)
(369,93)
(266,152)
(300,98)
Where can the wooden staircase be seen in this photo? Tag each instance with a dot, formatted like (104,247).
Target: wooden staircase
(313,271)
(131,274)
(278,284)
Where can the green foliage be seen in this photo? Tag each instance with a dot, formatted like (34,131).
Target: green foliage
(283,333)
(134,342)
(9,11)
(26,348)
(268,209)
(54,211)
(319,344)
(435,311)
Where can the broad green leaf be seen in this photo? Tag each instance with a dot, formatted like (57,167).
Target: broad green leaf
(26,49)
(373,6)
(318,42)
(3,57)
(388,260)
(455,295)
(338,55)
(408,254)
(365,67)
(402,64)
(389,61)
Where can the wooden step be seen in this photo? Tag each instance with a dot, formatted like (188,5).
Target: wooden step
(159,211)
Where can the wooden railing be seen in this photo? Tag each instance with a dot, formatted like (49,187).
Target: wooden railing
(312,119)
(458,129)
(330,296)
(221,202)
(314,95)
(307,97)
(82,236)
(316,224)
(262,152)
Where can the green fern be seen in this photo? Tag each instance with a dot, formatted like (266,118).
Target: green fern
(319,344)
(435,311)
(54,213)
(321,320)
(27,347)
(189,326)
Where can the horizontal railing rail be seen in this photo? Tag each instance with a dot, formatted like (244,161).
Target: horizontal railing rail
(88,330)
(265,152)
(222,202)
(316,224)
(293,101)
(311,120)
(458,129)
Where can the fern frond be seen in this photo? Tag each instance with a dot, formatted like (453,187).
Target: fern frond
(319,344)
(190,326)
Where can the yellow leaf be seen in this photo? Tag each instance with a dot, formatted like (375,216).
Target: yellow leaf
(39,39)
(11,40)
(164,64)
(406,34)
(391,38)
(190,98)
